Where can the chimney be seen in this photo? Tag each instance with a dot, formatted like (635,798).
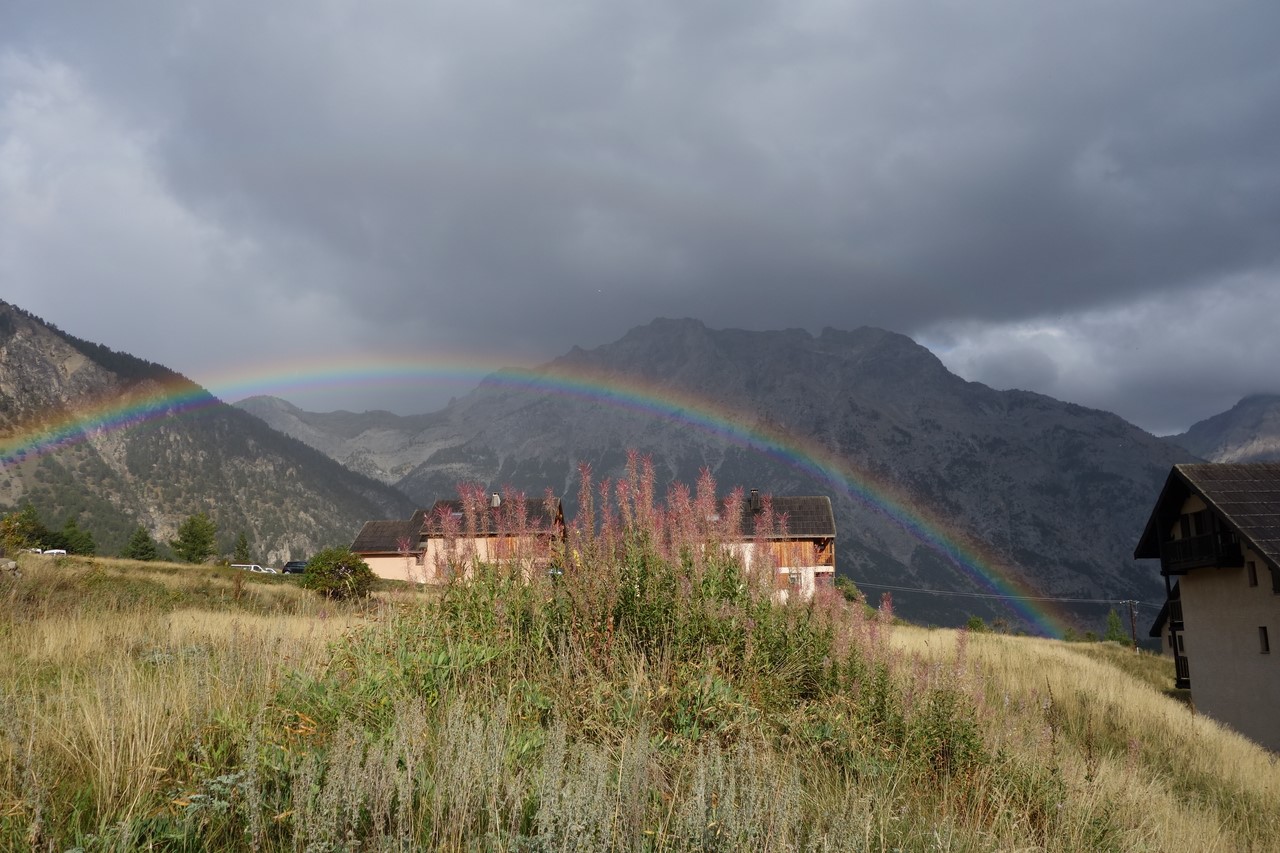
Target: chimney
(495,501)
(755,500)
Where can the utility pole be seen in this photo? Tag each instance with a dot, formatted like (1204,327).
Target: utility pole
(1133,621)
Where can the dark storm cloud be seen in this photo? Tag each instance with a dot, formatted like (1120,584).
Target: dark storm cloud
(550,175)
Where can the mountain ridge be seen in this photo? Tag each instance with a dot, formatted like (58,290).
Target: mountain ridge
(288,498)
(1247,432)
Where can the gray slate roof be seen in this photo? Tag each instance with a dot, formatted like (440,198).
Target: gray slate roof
(1246,496)
(807,516)
(383,537)
(539,512)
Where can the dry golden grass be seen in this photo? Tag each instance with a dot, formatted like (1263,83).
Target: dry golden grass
(129,692)
(1178,780)
(106,694)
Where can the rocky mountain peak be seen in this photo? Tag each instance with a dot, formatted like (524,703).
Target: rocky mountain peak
(1248,432)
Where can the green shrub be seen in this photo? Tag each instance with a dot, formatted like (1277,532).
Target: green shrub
(338,574)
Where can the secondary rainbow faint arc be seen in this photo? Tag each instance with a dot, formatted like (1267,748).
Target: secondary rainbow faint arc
(179,395)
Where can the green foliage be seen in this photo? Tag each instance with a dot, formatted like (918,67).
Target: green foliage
(1115,628)
(241,554)
(78,541)
(23,529)
(977,625)
(339,574)
(846,587)
(140,546)
(196,537)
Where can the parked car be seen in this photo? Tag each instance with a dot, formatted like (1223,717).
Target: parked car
(57,552)
(255,568)
(295,567)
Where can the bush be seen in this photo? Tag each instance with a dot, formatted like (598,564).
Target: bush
(339,574)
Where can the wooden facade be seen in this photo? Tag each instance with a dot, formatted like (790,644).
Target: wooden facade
(447,538)
(794,537)
(800,548)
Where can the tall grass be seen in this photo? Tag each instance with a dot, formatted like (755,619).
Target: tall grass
(641,693)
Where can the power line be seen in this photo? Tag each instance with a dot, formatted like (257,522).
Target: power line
(997,595)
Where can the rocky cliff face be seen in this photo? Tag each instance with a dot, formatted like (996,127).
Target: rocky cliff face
(1056,491)
(288,499)
(1248,432)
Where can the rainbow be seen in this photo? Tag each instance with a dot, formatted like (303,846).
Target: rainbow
(178,395)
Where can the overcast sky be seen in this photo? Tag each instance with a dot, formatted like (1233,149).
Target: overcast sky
(1081,199)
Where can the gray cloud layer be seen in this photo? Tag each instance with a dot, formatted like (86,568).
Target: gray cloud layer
(1081,199)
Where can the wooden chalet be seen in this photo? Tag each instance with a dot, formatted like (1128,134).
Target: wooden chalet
(802,549)
(1216,530)
(445,538)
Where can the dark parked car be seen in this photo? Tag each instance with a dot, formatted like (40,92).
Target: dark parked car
(295,567)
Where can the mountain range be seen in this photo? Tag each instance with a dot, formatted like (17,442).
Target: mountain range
(940,483)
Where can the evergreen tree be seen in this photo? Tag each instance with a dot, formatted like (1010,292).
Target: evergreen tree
(1115,628)
(141,546)
(78,541)
(241,554)
(196,535)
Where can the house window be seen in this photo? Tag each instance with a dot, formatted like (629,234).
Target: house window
(794,578)
(1253,572)
(1200,523)
(1181,648)
(1264,644)
(1275,580)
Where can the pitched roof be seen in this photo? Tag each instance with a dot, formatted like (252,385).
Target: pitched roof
(807,516)
(1246,496)
(384,537)
(540,512)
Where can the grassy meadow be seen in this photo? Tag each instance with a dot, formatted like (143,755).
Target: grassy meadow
(649,698)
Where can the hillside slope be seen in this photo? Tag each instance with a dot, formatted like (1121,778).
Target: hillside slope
(116,441)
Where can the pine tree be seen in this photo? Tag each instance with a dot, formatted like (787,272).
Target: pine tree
(78,541)
(241,554)
(1115,628)
(195,542)
(141,546)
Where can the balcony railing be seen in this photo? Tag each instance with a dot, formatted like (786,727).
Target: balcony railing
(1194,552)
(1182,672)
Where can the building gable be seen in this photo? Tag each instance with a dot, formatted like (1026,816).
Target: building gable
(1240,501)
